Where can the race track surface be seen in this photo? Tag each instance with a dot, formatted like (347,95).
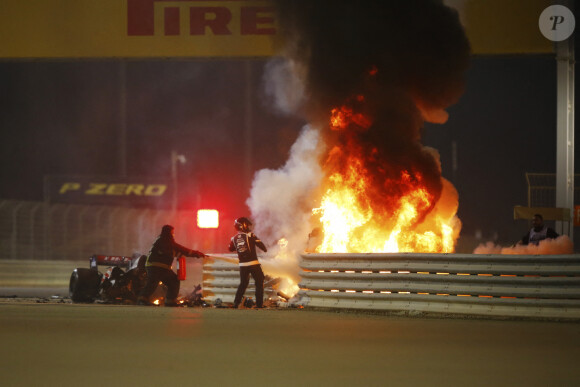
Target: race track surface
(51,342)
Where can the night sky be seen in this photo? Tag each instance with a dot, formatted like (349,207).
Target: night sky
(63,118)
(504,126)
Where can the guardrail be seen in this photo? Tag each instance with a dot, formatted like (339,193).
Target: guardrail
(221,277)
(491,285)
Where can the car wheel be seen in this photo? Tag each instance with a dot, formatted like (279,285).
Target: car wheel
(84,285)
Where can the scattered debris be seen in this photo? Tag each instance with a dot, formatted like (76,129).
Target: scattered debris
(218,303)
(195,298)
(248,302)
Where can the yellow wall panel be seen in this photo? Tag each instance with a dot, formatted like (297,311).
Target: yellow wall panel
(235,28)
(89,28)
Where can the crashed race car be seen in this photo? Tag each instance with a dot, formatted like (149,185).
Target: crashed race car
(119,284)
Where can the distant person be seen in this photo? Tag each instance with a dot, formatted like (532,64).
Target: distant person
(245,243)
(158,266)
(538,232)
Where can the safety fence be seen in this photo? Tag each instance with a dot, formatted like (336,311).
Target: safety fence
(43,231)
(492,285)
(530,286)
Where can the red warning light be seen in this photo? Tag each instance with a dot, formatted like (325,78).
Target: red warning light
(208,219)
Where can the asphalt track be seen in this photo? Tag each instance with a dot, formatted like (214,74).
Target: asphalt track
(52,342)
(45,340)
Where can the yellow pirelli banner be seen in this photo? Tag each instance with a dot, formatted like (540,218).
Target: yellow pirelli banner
(214,28)
(135,28)
(504,26)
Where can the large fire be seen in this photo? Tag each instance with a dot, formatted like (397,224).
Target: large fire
(407,219)
(358,179)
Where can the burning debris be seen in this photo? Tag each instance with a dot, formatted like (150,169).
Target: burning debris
(371,73)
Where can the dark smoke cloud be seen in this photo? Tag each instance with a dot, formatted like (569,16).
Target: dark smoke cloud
(418,46)
(407,58)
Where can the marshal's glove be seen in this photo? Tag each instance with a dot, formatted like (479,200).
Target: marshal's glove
(197,254)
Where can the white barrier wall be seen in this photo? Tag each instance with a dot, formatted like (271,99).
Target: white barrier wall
(494,285)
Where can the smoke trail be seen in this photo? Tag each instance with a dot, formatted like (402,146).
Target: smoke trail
(283,85)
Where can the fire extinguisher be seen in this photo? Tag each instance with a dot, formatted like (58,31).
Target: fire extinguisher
(181,273)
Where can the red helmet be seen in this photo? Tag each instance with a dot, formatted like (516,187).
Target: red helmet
(243,224)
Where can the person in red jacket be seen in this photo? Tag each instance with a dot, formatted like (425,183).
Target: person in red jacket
(158,266)
(245,243)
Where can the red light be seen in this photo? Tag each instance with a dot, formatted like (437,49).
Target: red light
(208,219)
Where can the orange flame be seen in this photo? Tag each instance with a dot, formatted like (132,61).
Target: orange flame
(414,219)
(343,117)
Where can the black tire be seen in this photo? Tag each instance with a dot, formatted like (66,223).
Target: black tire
(84,285)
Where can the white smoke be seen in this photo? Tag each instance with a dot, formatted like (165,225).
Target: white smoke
(281,204)
(283,85)
(560,245)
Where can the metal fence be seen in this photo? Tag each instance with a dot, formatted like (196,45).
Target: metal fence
(38,230)
(492,285)
(542,189)
(535,286)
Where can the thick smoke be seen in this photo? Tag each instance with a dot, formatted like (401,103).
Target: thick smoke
(281,203)
(560,245)
(418,48)
(399,63)
(281,200)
